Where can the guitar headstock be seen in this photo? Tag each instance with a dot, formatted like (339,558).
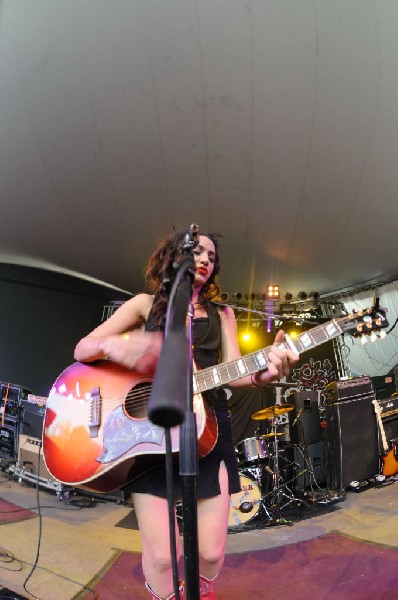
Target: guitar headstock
(366,324)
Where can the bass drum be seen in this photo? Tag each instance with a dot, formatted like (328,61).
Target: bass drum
(244,505)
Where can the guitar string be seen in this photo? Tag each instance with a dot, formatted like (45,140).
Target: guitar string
(138,399)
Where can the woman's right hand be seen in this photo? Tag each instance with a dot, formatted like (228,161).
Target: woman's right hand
(138,350)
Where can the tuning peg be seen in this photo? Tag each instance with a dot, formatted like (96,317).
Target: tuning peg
(364,339)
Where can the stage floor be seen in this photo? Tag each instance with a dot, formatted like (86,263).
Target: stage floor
(71,544)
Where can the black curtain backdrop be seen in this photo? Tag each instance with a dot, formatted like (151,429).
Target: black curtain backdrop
(43,314)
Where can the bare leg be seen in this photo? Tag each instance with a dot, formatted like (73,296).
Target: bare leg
(213,516)
(152,517)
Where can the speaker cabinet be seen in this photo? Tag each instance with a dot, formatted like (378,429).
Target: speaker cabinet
(384,386)
(311,463)
(304,420)
(30,457)
(390,429)
(32,419)
(352,451)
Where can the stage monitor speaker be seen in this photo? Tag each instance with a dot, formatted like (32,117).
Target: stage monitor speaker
(304,419)
(30,457)
(352,450)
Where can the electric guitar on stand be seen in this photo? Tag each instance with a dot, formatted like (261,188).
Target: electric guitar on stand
(96,432)
(388,457)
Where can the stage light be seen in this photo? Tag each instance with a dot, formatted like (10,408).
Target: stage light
(314,295)
(238,296)
(302,295)
(273,292)
(224,296)
(288,296)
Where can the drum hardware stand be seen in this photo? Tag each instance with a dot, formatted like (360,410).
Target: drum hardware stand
(281,495)
(267,510)
(280,491)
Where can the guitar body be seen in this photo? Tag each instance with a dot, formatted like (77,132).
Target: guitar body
(389,461)
(96,432)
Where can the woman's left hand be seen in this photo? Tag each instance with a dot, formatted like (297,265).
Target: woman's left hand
(280,362)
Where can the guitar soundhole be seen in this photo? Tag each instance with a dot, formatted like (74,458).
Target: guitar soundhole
(136,402)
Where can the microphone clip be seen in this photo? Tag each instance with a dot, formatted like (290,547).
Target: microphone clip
(191,238)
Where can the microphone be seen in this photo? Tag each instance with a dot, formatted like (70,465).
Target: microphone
(297,417)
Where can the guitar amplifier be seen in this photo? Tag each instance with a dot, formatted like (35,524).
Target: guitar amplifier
(384,386)
(389,417)
(30,457)
(389,408)
(349,389)
(32,419)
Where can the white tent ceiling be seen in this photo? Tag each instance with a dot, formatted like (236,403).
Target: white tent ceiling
(274,123)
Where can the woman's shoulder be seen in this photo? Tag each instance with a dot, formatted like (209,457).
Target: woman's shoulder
(139,305)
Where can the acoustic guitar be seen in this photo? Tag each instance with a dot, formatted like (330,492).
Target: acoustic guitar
(96,432)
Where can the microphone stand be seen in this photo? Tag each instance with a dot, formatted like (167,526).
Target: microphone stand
(171,404)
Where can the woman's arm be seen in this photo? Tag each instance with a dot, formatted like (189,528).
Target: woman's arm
(120,339)
(280,361)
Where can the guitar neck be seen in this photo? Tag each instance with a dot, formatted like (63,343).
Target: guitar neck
(378,409)
(224,373)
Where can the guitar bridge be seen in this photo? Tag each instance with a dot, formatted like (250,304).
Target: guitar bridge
(95,412)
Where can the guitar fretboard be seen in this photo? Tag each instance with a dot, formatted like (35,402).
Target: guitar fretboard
(224,373)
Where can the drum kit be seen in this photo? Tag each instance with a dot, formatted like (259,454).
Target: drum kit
(266,473)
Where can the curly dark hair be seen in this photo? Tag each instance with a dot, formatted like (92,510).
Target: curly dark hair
(161,268)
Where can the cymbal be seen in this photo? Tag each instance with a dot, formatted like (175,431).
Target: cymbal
(271,411)
(271,435)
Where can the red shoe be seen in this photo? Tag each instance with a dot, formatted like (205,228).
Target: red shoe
(206,588)
(170,597)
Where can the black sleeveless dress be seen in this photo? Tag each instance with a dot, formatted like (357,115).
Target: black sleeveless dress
(207,347)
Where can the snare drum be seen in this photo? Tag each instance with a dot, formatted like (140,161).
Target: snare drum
(252,450)
(244,505)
